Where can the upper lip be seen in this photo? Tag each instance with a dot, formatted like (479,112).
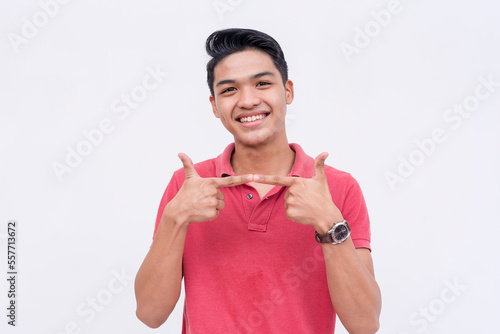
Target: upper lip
(252,113)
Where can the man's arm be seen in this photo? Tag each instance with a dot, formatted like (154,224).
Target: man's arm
(353,290)
(158,281)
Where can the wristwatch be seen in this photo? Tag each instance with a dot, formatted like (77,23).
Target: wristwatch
(339,233)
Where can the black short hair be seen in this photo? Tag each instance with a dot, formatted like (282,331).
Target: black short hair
(223,43)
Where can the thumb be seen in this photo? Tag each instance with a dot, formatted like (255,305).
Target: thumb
(319,166)
(189,170)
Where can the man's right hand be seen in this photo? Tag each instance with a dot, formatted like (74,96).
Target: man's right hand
(200,199)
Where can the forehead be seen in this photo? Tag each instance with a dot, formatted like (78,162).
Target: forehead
(244,64)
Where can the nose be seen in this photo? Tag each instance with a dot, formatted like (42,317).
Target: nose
(248,99)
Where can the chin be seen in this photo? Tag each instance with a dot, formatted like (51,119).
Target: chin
(254,140)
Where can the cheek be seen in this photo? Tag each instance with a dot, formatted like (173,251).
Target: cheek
(279,107)
(225,116)
(223,111)
(278,100)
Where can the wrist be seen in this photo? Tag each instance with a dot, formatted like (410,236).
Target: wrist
(174,216)
(325,224)
(339,232)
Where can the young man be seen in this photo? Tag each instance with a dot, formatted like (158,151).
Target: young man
(267,239)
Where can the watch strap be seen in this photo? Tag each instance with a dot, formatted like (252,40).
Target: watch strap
(324,238)
(328,236)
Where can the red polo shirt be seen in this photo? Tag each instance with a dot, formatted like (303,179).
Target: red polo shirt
(252,270)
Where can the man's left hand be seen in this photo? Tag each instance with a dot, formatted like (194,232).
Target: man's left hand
(307,201)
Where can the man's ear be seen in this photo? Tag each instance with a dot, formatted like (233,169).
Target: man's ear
(289,91)
(214,107)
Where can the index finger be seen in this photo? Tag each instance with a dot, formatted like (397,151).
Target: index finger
(231,181)
(285,181)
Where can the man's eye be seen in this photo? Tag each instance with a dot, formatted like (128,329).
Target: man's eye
(263,83)
(230,89)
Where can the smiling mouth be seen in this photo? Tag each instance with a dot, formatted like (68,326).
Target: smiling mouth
(252,118)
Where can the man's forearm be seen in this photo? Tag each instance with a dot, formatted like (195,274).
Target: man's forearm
(158,281)
(354,292)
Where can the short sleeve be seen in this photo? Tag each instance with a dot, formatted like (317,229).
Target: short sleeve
(355,213)
(170,192)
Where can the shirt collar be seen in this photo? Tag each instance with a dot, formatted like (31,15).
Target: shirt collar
(303,165)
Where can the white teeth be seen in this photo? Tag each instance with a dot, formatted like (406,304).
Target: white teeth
(252,118)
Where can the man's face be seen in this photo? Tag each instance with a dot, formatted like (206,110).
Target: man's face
(250,98)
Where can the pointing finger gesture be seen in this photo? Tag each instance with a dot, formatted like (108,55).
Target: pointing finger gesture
(200,199)
(307,201)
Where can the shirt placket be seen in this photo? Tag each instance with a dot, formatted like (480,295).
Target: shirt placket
(258,211)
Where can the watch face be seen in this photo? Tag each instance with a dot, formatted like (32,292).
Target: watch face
(341,232)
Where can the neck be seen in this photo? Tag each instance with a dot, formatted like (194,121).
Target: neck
(266,159)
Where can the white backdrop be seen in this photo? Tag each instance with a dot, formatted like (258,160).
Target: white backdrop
(98,97)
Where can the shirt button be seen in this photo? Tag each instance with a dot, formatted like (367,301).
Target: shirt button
(249,196)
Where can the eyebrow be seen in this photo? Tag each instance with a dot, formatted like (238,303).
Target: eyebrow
(255,76)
